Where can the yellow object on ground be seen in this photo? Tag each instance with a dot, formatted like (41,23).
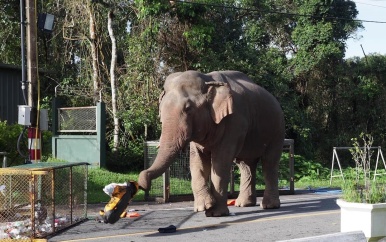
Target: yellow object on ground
(120,198)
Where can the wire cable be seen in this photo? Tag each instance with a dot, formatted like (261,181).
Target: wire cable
(18,143)
(281,13)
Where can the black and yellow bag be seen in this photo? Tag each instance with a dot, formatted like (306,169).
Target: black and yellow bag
(119,201)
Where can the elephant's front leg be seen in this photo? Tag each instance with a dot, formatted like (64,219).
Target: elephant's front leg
(220,179)
(200,165)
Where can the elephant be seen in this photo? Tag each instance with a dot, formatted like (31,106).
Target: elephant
(224,117)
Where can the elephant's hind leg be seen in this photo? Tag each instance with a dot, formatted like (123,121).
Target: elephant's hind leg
(270,164)
(247,195)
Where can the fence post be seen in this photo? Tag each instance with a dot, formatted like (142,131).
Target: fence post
(166,185)
(101,132)
(4,154)
(292,167)
(55,106)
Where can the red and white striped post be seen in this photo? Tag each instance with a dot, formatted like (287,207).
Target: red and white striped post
(34,144)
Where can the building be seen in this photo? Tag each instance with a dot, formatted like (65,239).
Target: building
(11,94)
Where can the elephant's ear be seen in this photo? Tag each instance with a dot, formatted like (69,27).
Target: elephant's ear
(159,102)
(161,96)
(220,99)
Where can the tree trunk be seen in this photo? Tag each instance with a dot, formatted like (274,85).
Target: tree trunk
(95,76)
(113,80)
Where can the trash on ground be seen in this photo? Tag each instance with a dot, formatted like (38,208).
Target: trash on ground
(121,195)
(2,189)
(169,229)
(133,215)
(231,202)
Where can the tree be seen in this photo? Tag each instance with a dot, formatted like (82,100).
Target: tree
(10,32)
(113,79)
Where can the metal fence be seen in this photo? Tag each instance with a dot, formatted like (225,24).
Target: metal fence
(175,183)
(77,119)
(79,133)
(38,200)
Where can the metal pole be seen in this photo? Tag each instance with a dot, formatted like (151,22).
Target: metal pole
(32,58)
(22,37)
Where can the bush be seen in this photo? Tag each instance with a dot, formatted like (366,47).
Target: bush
(128,158)
(313,170)
(9,135)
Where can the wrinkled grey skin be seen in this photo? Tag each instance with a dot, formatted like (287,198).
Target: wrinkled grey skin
(226,118)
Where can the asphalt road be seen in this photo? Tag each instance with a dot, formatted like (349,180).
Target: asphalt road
(301,215)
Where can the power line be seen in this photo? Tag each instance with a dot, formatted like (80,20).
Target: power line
(369,4)
(281,13)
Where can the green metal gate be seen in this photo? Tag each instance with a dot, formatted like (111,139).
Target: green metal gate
(78,133)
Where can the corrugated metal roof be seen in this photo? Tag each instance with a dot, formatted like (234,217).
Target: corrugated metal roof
(10,92)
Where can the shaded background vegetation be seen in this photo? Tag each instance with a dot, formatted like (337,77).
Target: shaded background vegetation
(295,49)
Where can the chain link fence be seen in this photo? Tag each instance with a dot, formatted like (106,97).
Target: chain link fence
(175,183)
(77,119)
(38,200)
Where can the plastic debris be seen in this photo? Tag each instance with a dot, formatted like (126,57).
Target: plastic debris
(231,202)
(109,189)
(169,229)
(2,189)
(16,230)
(133,215)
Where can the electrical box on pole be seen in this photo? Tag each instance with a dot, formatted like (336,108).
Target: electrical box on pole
(24,116)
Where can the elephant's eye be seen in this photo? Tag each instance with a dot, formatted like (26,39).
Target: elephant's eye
(188,107)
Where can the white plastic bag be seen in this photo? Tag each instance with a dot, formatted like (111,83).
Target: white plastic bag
(2,189)
(108,189)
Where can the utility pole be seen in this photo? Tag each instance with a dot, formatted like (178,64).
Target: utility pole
(32,67)
(34,133)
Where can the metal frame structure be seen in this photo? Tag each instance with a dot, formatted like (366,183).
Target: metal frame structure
(335,156)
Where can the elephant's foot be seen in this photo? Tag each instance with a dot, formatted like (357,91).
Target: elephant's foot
(217,211)
(245,201)
(202,203)
(268,203)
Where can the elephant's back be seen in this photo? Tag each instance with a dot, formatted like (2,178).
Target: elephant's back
(261,109)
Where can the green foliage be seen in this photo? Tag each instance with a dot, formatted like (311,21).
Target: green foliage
(148,8)
(368,87)
(375,192)
(306,172)
(308,169)
(128,157)
(10,32)
(9,143)
(199,36)
(298,56)
(360,187)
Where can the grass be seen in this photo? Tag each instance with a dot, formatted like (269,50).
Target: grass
(99,178)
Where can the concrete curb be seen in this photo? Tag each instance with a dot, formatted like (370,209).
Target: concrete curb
(357,236)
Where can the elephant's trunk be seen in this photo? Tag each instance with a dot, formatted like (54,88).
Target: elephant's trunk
(168,150)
